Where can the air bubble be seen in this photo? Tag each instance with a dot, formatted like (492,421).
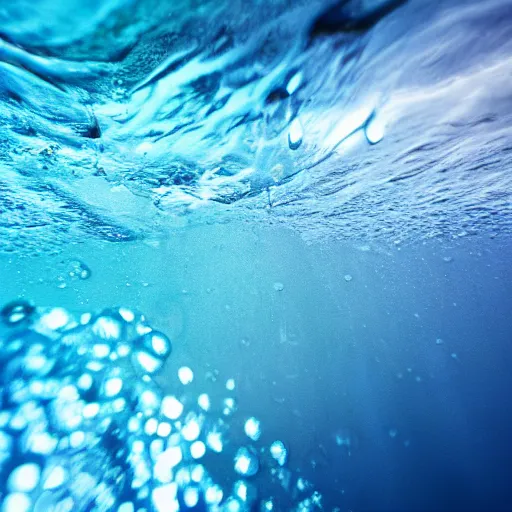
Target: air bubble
(24,478)
(107,328)
(278,287)
(197,449)
(16,312)
(185,375)
(347,277)
(171,407)
(252,429)
(246,462)
(16,502)
(279,452)
(78,270)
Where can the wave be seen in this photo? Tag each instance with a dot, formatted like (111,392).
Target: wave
(356,119)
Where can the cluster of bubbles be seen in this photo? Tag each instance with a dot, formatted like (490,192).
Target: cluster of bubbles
(84,426)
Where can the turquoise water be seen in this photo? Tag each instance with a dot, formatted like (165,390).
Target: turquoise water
(255,256)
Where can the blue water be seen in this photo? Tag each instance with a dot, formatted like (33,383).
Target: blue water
(255,255)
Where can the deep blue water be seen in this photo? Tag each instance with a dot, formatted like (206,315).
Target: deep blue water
(216,215)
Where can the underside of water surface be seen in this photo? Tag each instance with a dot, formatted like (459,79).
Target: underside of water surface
(255,255)
(147,114)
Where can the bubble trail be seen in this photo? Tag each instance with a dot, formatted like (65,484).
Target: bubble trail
(83,425)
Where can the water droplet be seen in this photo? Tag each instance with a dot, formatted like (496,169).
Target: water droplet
(439,341)
(347,277)
(278,287)
(295,134)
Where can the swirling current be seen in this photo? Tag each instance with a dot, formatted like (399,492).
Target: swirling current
(385,123)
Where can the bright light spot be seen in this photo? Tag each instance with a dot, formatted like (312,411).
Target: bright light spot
(127,506)
(278,452)
(191,430)
(214,441)
(191,497)
(204,401)
(100,350)
(56,478)
(127,316)
(348,125)
(374,130)
(213,494)
(252,429)
(24,478)
(55,319)
(151,426)
(164,498)
(230,384)
(294,83)
(113,386)
(76,439)
(143,148)
(164,429)
(16,502)
(197,449)
(149,400)
(166,461)
(295,134)
(149,363)
(107,328)
(91,410)
(185,375)
(171,407)
(84,382)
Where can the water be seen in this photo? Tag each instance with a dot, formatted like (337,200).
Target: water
(310,202)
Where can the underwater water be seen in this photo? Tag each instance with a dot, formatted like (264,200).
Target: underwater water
(255,255)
